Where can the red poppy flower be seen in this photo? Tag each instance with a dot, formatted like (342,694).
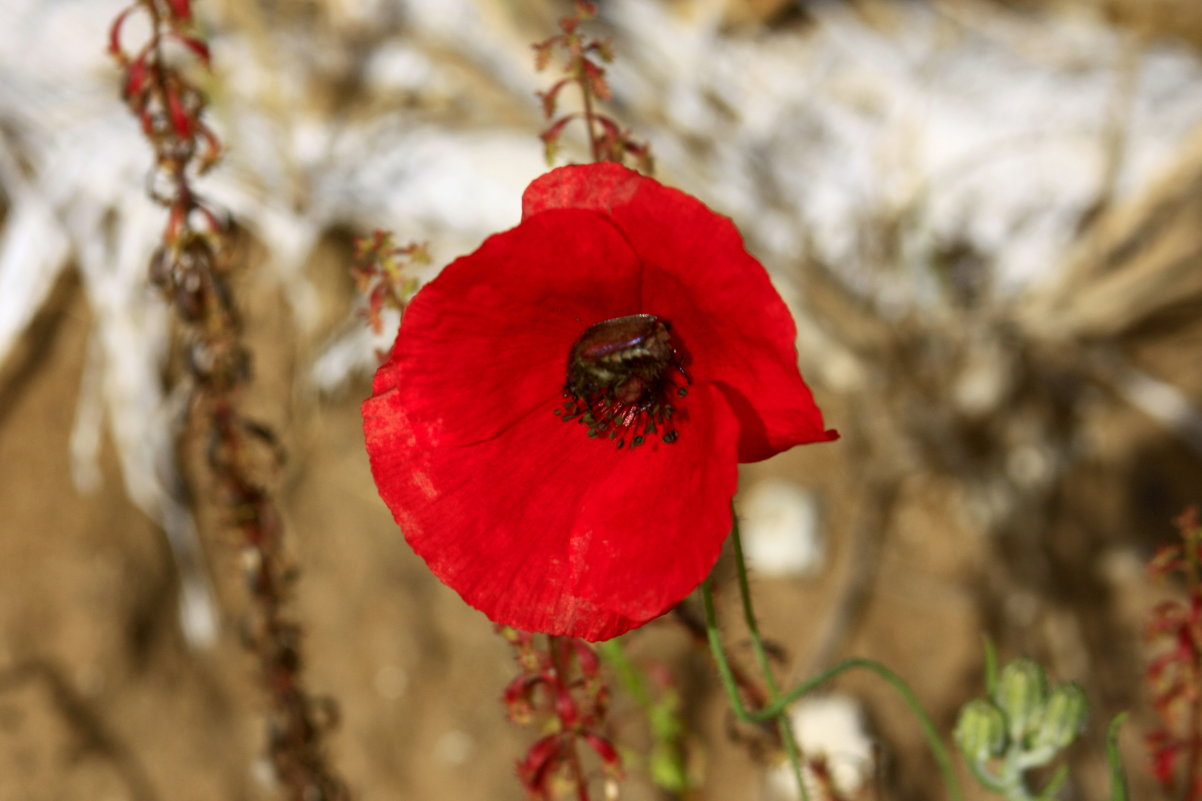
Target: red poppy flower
(558,426)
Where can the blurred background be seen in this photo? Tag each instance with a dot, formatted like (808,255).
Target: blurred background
(987,217)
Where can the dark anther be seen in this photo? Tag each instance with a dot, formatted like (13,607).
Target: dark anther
(620,375)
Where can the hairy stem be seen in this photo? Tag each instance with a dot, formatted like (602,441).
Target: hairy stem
(783,726)
(777,707)
(589,115)
(560,650)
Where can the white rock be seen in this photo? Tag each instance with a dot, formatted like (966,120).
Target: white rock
(782,529)
(831,727)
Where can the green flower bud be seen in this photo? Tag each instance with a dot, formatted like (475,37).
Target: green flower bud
(981,731)
(1022,692)
(1063,717)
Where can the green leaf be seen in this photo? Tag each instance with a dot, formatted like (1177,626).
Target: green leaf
(1022,692)
(980,731)
(1118,778)
(1063,718)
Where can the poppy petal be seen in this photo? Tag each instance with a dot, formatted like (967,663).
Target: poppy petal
(547,530)
(698,275)
(488,339)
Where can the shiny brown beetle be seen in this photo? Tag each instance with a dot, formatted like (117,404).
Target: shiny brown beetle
(618,378)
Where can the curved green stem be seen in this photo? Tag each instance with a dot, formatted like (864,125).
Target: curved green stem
(783,726)
(990,667)
(986,778)
(777,707)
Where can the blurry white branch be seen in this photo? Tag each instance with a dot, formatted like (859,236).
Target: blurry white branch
(1159,399)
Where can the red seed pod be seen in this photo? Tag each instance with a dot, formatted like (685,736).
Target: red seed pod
(181,121)
(601,702)
(115,30)
(566,709)
(216,224)
(595,77)
(609,127)
(603,49)
(550,136)
(175,222)
(136,78)
(542,53)
(1164,763)
(375,305)
(587,658)
(180,9)
(198,48)
(606,751)
(147,120)
(518,698)
(549,97)
(536,768)
(551,133)
(211,153)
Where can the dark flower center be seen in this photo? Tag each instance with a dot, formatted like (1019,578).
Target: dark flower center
(622,377)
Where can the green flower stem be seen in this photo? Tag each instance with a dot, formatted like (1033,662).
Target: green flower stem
(1118,779)
(776,708)
(783,726)
(666,760)
(625,671)
(1014,787)
(1054,784)
(985,777)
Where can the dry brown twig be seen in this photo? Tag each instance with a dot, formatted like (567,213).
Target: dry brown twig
(192,268)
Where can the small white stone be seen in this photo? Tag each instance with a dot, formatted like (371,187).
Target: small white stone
(263,775)
(782,529)
(455,747)
(391,682)
(832,727)
(1030,466)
